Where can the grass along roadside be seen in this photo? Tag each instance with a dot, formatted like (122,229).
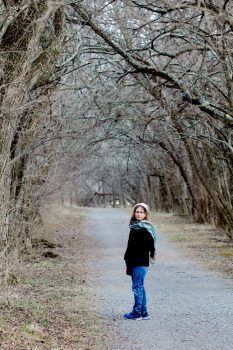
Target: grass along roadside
(51,307)
(201,242)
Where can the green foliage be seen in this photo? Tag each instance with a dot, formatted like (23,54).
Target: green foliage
(177,237)
(228,252)
(25,305)
(38,282)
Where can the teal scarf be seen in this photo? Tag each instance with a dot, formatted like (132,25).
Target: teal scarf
(137,225)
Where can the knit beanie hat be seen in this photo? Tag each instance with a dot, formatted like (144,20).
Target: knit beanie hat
(145,206)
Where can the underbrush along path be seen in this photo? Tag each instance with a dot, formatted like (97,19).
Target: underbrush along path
(51,307)
(190,307)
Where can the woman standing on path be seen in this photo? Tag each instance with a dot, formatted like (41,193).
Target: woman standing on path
(141,245)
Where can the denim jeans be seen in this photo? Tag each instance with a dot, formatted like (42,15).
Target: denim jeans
(138,276)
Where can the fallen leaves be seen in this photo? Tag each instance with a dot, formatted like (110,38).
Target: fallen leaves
(49,309)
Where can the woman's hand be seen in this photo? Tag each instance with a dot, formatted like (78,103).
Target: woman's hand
(152,259)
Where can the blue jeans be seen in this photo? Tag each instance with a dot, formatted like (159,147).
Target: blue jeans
(138,276)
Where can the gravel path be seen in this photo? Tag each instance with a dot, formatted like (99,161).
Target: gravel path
(190,307)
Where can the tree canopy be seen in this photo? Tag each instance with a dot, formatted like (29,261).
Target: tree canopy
(114,102)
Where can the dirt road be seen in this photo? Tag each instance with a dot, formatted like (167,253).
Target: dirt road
(190,307)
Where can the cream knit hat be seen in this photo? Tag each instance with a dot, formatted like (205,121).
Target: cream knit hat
(145,206)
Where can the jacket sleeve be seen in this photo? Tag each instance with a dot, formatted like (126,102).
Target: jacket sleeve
(152,247)
(126,256)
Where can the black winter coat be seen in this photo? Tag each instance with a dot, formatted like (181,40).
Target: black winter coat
(140,247)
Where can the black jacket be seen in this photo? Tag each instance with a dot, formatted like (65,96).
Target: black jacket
(140,247)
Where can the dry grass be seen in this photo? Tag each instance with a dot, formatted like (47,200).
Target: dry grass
(51,308)
(201,242)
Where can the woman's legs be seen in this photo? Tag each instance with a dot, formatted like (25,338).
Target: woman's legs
(138,276)
(144,306)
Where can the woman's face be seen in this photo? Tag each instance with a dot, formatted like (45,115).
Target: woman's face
(140,213)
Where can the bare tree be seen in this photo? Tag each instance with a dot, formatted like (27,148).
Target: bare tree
(180,53)
(30,40)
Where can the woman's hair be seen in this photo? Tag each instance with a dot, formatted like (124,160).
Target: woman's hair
(132,219)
